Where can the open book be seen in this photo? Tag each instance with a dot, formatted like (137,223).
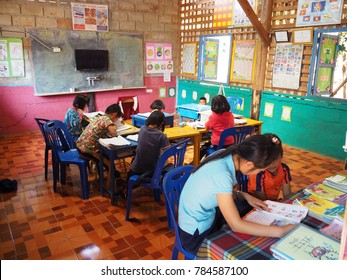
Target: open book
(114,141)
(281,214)
(305,243)
(123,127)
(196,124)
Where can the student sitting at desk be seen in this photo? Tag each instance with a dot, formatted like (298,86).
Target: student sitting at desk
(220,119)
(73,116)
(267,184)
(207,199)
(150,145)
(100,127)
(157,105)
(203,101)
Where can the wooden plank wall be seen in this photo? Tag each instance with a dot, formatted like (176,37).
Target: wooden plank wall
(197,19)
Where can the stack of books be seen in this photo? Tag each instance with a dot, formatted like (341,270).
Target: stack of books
(338,181)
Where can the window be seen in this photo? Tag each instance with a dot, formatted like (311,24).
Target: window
(214,58)
(328,75)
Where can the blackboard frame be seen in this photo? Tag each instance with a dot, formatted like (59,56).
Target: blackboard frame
(54,73)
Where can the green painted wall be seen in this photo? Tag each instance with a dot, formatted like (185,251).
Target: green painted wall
(189,86)
(317,124)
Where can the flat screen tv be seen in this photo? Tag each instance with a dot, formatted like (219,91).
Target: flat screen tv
(91,59)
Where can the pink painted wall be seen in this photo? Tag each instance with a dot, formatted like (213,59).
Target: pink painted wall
(19,105)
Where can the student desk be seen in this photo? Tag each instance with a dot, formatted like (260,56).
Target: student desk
(178,132)
(113,154)
(191,111)
(139,120)
(228,245)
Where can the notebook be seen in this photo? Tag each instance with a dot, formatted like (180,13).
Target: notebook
(114,141)
(306,243)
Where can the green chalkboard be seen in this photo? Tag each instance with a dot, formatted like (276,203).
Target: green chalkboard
(54,72)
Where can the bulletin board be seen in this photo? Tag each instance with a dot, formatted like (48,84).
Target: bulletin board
(54,73)
(11,58)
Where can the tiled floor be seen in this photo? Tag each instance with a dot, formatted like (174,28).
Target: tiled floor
(36,223)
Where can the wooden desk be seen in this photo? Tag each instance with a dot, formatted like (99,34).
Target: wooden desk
(178,132)
(228,245)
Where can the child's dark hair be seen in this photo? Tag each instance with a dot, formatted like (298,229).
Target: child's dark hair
(157,105)
(220,104)
(156,118)
(261,149)
(79,101)
(203,98)
(114,108)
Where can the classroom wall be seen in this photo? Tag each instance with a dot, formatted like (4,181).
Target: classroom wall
(314,124)
(158,21)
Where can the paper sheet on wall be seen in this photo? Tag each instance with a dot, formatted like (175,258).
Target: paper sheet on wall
(287,66)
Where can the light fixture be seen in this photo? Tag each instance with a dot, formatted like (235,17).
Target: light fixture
(281,36)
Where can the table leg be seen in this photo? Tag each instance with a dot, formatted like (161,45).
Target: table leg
(196,144)
(112,180)
(101,175)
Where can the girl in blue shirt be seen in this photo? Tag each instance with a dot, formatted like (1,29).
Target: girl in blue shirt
(73,116)
(207,199)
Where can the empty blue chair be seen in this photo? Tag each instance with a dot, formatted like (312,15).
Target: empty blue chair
(176,152)
(41,122)
(173,184)
(60,139)
(239,133)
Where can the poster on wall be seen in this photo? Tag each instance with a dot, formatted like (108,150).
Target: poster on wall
(313,12)
(158,58)
(287,66)
(11,57)
(210,58)
(189,58)
(239,16)
(243,60)
(91,17)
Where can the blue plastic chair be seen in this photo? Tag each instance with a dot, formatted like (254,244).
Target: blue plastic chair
(239,133)
(173,184)
(61,141)
(176,152)
(41,122)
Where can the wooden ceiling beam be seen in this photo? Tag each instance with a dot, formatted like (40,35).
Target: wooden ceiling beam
(247,8)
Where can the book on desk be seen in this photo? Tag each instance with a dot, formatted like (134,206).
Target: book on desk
(280,214)
(114,141)
(305,243)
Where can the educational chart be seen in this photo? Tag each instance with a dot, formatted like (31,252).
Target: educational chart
(210,58)
(11,57)
(89,17)
(158,58)
(287,66)
(189,58)
(243,61)
(313,12)
(239,16)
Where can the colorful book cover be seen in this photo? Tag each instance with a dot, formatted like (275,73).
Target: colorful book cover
(327,193)
(320,206)
(305,243)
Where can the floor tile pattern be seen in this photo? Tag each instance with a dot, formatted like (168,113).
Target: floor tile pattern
(36,223)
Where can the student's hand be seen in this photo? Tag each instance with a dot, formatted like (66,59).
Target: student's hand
(255,202)
(287,229)
(80,111)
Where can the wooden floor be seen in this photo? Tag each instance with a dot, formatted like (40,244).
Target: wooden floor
(36,223)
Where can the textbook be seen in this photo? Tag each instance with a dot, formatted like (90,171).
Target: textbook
(123,127)
(133,137)
(338,181)
(114,141)
(281,214)
(305,243)
(321,209)
(326,192)
(196,124)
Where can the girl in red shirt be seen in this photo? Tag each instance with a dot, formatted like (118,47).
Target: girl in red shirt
(220,119)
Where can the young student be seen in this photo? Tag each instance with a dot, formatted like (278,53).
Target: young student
(150,145)
(157,105)
(73,116)
(203,101)
(220,119)
(207,199)
(267,184)
(100,127)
